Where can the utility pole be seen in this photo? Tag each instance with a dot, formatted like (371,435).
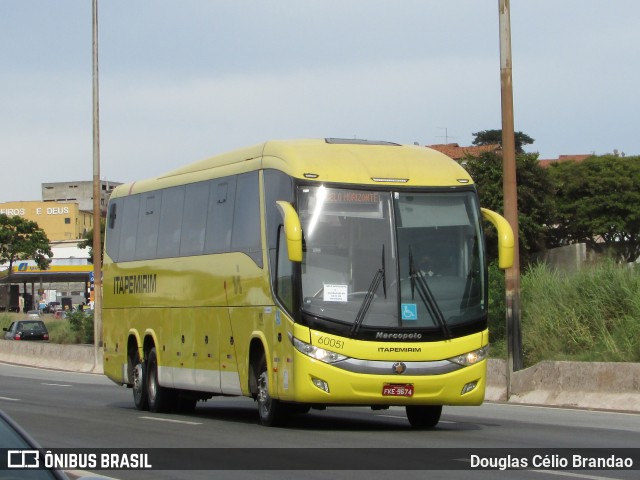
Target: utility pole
(509,187)
(97,196)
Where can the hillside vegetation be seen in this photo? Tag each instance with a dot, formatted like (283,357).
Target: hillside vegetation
(591,315)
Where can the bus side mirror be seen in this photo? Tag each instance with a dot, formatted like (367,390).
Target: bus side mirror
(292,230)
(505,237)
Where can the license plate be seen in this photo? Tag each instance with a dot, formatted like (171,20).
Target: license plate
(397,390)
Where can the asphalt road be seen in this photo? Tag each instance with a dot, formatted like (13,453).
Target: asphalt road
(72,410)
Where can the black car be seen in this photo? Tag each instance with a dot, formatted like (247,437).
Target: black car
(21,452)
(27,329)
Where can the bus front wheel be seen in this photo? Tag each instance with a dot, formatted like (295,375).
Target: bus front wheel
(424,416)
(272,412)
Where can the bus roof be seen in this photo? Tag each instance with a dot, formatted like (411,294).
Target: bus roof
(323,160)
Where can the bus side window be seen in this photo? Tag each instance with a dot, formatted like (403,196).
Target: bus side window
(129,228)
(171,211)
(220,219)
(112,214)
(284,273)
(147,238)
(245,236)
(112,240)
(277,186)
(194,219)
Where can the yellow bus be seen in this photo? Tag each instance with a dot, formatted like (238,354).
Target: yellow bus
(304,274)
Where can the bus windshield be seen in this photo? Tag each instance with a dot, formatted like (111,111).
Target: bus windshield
(418,254)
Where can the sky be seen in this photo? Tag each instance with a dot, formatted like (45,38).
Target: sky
(182,80)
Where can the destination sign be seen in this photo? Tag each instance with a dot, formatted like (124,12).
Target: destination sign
(352,196)
(350,203)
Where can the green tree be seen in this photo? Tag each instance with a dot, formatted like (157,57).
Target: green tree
(535,205)
(88,240)
(22,239)
(598,203)
(491,137)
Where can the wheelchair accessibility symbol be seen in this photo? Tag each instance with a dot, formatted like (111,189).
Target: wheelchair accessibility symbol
(409,311)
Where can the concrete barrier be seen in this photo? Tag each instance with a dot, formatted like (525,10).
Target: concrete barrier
(591,385)
(75,358)
(595,385)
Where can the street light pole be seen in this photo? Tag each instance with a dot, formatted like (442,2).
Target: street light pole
(509,187)
(97,196)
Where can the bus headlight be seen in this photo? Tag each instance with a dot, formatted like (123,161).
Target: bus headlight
(318,353)
(471,358)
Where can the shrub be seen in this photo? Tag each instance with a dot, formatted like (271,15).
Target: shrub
(81,323)
(592,315)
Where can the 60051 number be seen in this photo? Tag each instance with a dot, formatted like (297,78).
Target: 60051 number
(330,342)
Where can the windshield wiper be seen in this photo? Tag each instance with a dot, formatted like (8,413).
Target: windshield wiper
(418,280)
(368,298)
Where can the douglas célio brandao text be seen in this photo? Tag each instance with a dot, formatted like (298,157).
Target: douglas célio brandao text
(551,461)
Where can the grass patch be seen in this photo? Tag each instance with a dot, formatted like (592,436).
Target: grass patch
(592,315)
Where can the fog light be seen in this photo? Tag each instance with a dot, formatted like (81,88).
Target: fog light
(321,384)
(468,387)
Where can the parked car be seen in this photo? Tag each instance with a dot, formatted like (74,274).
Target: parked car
(14,439)
(26,329)
(33,314)
(52,307)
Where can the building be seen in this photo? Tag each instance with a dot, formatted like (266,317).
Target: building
(78,192)
(458,153)
(66,216)
(60,221)
(66,281)
(66,210)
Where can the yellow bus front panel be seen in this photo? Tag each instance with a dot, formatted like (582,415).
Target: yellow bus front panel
(348,388)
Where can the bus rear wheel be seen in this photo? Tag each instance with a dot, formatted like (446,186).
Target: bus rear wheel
(423,416)
(140,398)
(161,399)
(272,412)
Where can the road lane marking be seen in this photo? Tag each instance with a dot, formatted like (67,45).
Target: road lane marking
(85,473)
(574,475)
(559,473)
(57,385)
(10,399)
(171,420)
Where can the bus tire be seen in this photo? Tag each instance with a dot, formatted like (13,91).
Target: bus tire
(140,398)
(161,399)
(423,416)
(272,412)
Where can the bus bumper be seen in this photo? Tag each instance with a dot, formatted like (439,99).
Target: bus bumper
(320,383)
